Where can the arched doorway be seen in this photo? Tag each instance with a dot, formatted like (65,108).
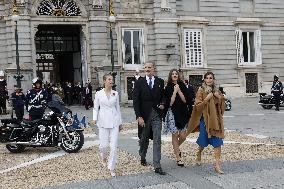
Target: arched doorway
(58,52)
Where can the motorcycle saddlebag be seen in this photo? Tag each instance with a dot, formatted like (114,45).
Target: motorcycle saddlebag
(7,126)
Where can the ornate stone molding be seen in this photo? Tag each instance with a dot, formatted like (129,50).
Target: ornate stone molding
(193,19)
(255,21)
(97,4)
(165,6)
(65,8)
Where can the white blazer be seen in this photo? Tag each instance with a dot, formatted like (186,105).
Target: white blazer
(106,110)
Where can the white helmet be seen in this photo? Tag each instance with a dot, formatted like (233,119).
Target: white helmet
(36,80)
(2,73)
(137,70)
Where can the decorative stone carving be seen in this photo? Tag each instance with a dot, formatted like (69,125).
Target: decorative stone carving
(165,6)
(58,8)
(97,4)
(130,6)
(21,2)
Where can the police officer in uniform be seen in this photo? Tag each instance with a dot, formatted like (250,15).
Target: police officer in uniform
(276,90)
(77,93)
(35,100)
(18,100)
(3,93)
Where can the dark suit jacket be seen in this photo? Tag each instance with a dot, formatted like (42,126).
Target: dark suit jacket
(146,99)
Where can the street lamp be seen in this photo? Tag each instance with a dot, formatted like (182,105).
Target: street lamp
(111,21)
(15,17)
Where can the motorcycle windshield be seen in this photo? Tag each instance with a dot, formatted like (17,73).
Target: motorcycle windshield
(57,107)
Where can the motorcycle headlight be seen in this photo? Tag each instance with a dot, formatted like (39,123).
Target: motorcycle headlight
(69,116)
(69,122)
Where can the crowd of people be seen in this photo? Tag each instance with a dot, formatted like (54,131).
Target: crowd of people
(40,94)
(71,94)
(182,110)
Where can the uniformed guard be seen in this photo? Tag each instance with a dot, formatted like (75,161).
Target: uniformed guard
(18,101)
(276,90)
(3,93)
(35,100)
(77,95)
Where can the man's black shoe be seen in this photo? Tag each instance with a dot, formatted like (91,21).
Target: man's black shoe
(160,171)
(143,162)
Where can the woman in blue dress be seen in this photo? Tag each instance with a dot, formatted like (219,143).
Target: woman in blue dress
(177,98)
(207,118)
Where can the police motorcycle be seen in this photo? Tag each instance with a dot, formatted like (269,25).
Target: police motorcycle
(267,101)
(228,102)
(57,128)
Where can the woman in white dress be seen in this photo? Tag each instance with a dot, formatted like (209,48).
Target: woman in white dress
(107,116)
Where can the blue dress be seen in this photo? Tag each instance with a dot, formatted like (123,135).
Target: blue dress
(203,140)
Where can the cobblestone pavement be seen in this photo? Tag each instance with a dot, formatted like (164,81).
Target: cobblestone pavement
(246,117)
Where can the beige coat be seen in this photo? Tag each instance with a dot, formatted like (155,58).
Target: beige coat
(212,112)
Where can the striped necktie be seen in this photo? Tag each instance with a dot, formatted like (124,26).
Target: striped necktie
(150,83)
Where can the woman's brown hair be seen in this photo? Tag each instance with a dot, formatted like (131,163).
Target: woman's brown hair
(209,73)
(207,88)
(170,76)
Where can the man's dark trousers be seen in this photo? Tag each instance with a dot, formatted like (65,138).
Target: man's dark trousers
(154,123)
(277,99)
(2,105)
(19,111)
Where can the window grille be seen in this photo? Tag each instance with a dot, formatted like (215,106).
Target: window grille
(195,81)
(193,48)
(130,87)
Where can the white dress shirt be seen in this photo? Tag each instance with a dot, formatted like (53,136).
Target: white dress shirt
(148,80)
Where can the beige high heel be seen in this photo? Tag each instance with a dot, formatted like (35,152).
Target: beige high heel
(218,170)
(217,166)
(198,157)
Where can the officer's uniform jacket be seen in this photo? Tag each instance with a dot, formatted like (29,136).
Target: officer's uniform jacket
(35,101)
(277,87)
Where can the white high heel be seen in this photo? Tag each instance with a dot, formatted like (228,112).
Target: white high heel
(103,160)
(112,173)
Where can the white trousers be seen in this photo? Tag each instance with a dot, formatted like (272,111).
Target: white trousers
(108,137)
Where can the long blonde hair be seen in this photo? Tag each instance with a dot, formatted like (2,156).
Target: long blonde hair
(105,77)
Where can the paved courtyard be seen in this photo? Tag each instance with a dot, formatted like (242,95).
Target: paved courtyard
(255,135)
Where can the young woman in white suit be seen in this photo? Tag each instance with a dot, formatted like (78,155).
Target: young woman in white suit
(107,116)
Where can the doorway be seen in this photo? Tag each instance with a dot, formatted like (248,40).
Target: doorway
(58,52)
(251,82)
(195,81)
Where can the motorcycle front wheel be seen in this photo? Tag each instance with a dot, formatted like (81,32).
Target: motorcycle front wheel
(15,148)
(75,143)
(267,106)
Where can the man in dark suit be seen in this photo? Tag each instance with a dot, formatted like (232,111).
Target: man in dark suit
(147,101)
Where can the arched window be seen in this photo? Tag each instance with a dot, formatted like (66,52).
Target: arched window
(58,8)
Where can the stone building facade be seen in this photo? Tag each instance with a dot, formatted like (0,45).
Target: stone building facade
(241,41)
